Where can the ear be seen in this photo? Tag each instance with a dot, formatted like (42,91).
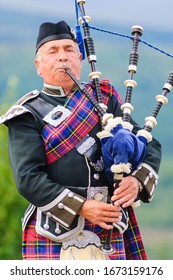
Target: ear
(80,56)
(37,64)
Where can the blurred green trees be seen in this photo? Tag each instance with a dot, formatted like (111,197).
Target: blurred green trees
(12,206)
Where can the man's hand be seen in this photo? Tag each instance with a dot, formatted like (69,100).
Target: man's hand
(127,191)
(101,213)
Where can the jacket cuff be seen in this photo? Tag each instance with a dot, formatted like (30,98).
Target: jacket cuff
(64,208)
(148,179)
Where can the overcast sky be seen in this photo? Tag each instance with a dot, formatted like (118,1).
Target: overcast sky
(152,14)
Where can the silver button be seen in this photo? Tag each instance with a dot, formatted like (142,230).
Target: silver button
(35,92)
(46,226)
(49,214)
(71,194)
(57,231)
(96,176)
(61,205)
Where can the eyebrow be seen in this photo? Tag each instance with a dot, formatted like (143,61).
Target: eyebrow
(66,46)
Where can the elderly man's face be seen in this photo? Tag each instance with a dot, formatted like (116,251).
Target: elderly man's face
(52,59)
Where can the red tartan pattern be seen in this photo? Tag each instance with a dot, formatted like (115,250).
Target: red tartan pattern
(127,246)
(59,140)
(108,89)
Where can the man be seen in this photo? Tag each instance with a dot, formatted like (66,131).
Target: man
(57,164)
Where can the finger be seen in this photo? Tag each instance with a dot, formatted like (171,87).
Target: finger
(105,226)
(131,191)
(112,220)
(108,216)
(119,196)
(121,189)
(111,208)
(128,203)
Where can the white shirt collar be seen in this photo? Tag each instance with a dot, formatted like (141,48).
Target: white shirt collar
(59,88)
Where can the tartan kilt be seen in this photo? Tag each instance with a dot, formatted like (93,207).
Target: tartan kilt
(128,246)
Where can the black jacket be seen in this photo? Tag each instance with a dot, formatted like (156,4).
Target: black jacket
(42,184)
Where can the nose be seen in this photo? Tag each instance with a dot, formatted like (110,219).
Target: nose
(62,56)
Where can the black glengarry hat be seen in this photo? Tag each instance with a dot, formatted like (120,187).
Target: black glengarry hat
(49,31)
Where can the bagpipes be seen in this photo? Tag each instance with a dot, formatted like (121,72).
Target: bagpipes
(122,150)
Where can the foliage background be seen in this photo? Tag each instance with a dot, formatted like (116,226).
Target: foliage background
(18,76)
